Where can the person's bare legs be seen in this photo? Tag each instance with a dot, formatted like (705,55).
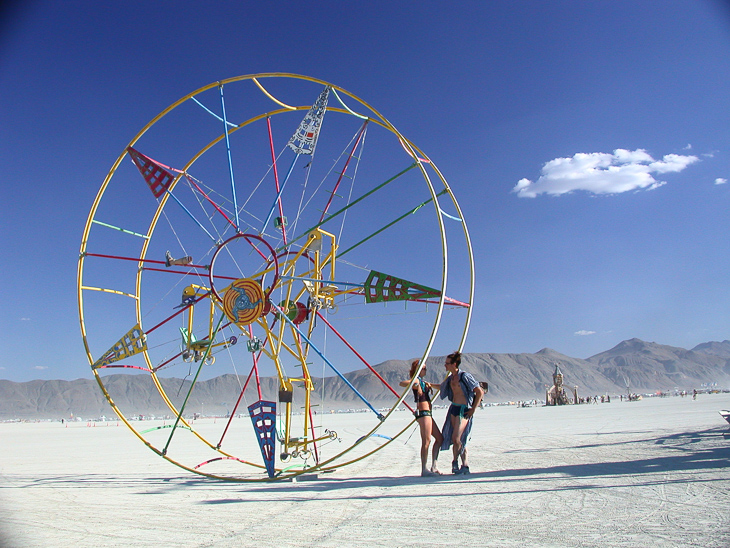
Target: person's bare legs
(425,423)
(438,441)
(457,428)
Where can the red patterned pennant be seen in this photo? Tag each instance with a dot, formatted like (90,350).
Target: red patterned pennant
(157,177)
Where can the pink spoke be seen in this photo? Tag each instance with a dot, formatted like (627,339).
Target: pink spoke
(276,179)
(191,181)
(319,315)
(347,163)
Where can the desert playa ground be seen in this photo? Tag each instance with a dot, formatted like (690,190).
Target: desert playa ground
(648,473)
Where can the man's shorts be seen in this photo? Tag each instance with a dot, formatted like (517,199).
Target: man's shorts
(458,410)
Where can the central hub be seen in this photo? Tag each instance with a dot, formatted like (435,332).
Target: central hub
(243,301)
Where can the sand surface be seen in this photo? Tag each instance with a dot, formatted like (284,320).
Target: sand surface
(649,473)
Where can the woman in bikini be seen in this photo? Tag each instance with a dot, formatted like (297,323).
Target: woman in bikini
(422,394)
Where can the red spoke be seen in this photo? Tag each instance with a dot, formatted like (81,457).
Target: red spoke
(276,180)
(347,163)
(192,182)
(319,315)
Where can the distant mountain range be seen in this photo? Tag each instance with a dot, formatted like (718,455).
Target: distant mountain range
(633,365)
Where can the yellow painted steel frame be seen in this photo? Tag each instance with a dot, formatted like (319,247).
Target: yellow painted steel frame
(275,340)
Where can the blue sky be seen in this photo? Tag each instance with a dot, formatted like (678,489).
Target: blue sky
(587,143)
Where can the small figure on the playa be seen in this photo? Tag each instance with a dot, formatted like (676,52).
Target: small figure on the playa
(465,395)
(422,391)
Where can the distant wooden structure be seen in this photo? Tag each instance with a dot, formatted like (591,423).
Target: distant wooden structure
(556,394)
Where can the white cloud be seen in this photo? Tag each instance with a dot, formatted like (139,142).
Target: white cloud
(602,173)
(672,163)
(720,181)
(657,185)
(24,319)
(583,333)
(40,367)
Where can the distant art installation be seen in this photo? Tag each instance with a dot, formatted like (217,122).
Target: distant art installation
(286,212)
(556,394)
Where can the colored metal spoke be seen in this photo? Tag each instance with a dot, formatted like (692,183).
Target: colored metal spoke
(363,360)
(342,173)
(228,150)
(387,226)
(351,204)
(276,180)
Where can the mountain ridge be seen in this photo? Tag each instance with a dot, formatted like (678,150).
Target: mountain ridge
(632,364)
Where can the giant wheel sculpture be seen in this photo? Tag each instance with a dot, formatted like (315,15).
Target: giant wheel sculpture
(249,236)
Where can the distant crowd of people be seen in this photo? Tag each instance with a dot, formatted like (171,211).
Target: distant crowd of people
(595,399)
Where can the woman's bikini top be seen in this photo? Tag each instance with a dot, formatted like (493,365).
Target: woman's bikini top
(424,394)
